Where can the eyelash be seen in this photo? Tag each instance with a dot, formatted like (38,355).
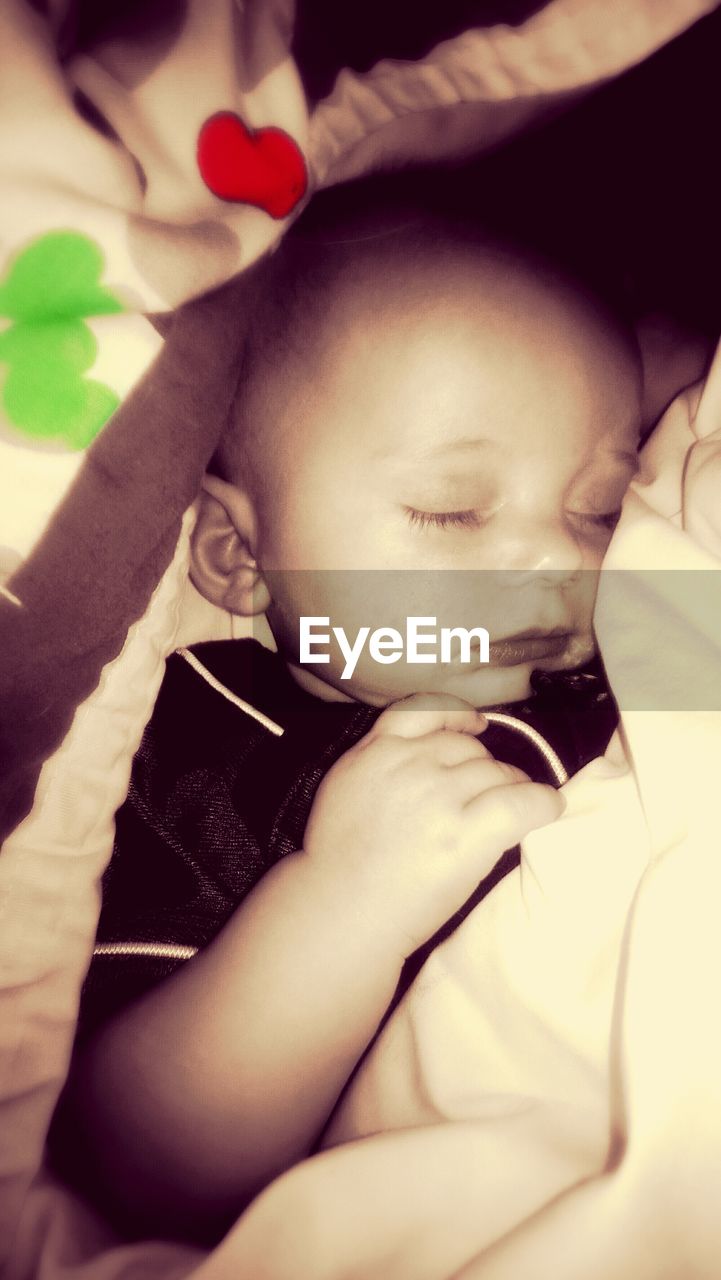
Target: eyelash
(606,520)
(470,519)
(444,519)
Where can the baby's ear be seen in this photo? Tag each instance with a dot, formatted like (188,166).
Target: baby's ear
(222,563)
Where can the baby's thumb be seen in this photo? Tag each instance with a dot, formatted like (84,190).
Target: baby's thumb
(425,713)
(503,815)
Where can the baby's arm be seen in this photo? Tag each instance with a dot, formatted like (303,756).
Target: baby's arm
(192,1099)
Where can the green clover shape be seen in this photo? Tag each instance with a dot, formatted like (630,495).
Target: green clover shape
(49,289)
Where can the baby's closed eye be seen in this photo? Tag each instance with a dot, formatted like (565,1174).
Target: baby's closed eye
(469,519)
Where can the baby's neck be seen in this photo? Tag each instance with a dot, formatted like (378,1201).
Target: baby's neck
(312,683)
(319,688)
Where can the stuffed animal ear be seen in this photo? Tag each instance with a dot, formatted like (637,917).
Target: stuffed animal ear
(223,565)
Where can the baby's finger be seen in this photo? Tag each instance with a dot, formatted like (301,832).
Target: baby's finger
(425,713)
(503,815)
(451,749)
(471,778)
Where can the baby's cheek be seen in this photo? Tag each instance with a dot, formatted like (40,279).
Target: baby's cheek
(585,599)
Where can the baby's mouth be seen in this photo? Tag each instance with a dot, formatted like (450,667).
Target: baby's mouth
(528,646)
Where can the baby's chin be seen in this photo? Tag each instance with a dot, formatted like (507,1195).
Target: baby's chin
(489,686)
(482,685)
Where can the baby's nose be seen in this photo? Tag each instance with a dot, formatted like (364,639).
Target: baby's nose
(547,548)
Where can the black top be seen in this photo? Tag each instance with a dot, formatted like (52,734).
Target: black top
(216,798)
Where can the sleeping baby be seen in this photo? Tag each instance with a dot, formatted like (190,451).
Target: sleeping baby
(433,436)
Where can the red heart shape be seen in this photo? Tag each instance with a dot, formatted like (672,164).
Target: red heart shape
(262,167)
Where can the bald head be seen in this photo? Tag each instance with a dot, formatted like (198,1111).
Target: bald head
(368,283)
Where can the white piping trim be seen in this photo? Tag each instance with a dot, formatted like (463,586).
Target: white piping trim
(159,950)
(554,762)
(8,595)
(497,717)
(210,679)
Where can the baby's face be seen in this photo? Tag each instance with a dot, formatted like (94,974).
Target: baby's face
(457,464)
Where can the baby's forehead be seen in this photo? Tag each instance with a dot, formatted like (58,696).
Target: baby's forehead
(502,290)
(483,305)
(374,320)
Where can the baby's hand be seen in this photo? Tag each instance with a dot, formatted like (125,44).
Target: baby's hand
(416,814)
